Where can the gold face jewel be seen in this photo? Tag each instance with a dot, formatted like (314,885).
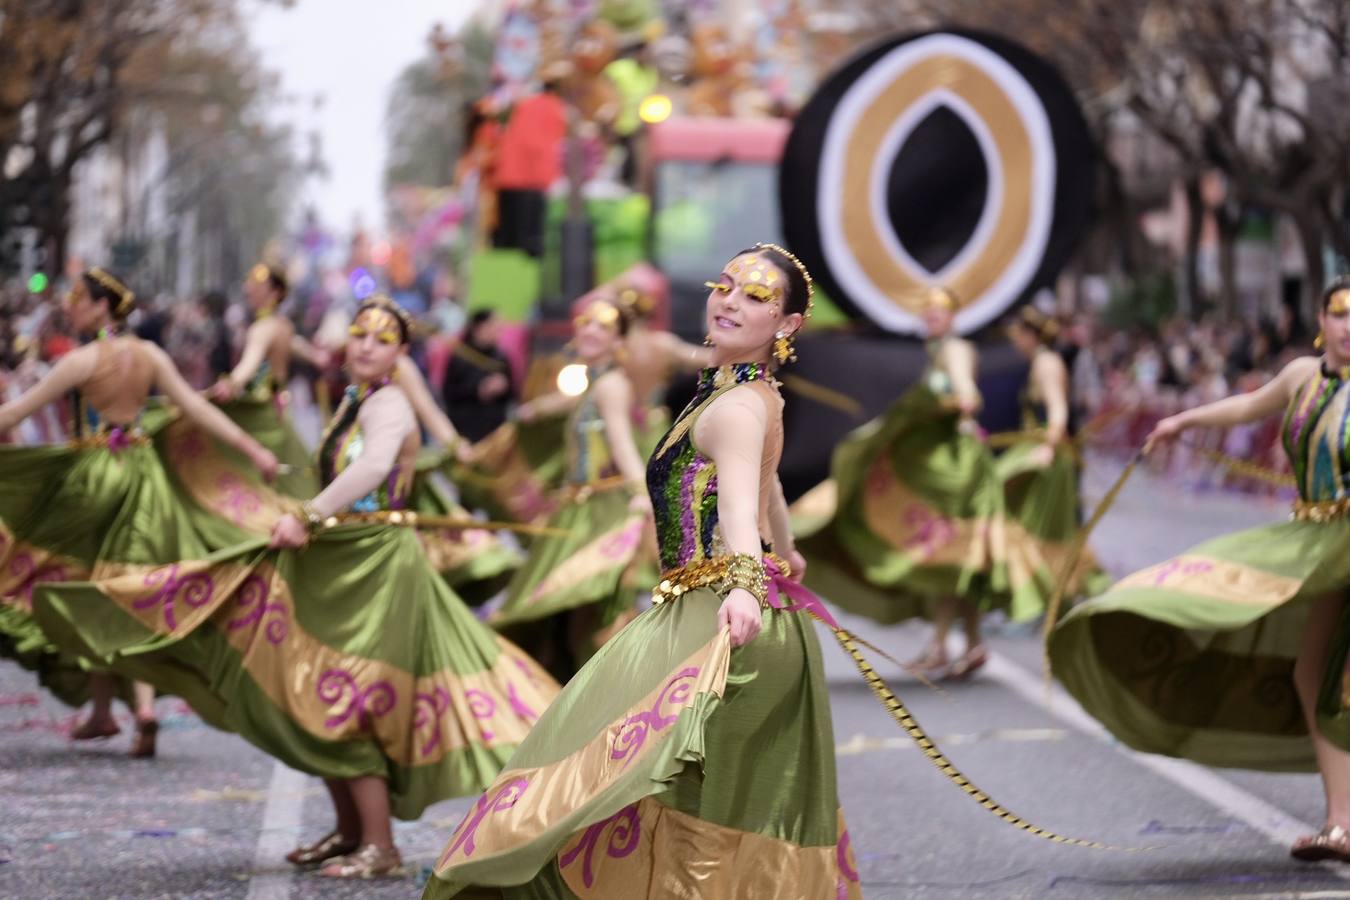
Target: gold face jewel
(718,286)
(599,312)
(259,273)
(1339,304)
(382,323)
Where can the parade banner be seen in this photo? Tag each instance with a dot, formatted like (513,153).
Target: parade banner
(951,158)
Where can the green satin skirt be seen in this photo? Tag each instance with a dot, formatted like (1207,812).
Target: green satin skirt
(1042,524)
(917,516)
(577,590)
(67,513)
(348,658)
(515,471)
(474,561)
(218,486)
(1194,657)
(671,766)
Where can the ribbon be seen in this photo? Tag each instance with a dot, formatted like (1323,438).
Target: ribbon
(778,585)
(118,440)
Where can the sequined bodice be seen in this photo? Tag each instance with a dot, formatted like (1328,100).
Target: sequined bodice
(344,442)
(588,455)
(683,482)
(1315,437)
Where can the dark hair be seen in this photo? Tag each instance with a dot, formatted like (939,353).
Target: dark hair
(215,303)
(1341,283)
(278,281)
(798,291)
(120,302)
(1045,328)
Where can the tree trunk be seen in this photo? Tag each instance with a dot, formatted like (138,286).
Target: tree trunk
(1195,220)
(1314,275)
(1228,220)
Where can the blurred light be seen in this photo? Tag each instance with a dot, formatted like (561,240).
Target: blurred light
(380,252)
(37,283)
(572,380)
(362,283)
(654,108)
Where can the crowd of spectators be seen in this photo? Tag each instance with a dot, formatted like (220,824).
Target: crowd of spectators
(1124,380)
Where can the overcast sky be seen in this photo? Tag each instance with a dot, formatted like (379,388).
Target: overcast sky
(350,51)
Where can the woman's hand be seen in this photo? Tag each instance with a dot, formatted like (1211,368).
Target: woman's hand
(1043,456)
(289,532)
(1166,431)
(797,563)
(740,613)
(464,453)
(641,502)
(223,391)
(265,461)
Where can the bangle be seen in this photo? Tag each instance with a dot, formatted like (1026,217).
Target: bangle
(745,570)
(313,521)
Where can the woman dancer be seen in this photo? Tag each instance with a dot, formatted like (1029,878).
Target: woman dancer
(220,487)
(918,525)
(100,503)
(340,651)
(577,590)
(1039,474)
(657,748)
(472,561)
(1234,653)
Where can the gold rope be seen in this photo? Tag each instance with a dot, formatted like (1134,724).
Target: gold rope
(902,716)
(1246,469)
(1076,553)
(415,519)
(821,394)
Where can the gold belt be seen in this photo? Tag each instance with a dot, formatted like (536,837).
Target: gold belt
(1320,510)
(711,572)
(580,493)
(116,441)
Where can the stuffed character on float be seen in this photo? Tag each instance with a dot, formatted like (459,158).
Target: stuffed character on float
(716,69)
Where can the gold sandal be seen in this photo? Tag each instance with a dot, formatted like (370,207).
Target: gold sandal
(969,663)
(322,850)
(1332,842)
(931,663)
(369,861)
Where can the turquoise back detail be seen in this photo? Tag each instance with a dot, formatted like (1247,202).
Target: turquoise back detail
(1316,440)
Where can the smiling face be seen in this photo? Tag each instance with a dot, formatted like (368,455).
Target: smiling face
(596,332)
(374,344)
(1335,322)
(745,309)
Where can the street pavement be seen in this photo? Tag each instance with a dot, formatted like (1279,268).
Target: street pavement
(211,817)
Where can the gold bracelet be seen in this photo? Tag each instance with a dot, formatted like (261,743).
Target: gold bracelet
(313,521)
(746,570)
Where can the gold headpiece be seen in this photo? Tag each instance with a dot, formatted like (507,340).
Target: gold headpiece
(1044,326)
(801,267)
(386,305)
(602,312)
(637,303)
(263,272)
(941,297)
(125,298)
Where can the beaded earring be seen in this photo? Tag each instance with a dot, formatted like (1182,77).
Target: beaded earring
(1320,341)
(782,348)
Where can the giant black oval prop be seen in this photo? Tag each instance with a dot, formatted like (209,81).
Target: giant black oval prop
(952,158)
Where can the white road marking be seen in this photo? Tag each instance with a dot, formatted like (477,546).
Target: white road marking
(280,826)
(1218,792)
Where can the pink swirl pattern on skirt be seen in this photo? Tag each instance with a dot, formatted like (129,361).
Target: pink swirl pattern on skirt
(625,833)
